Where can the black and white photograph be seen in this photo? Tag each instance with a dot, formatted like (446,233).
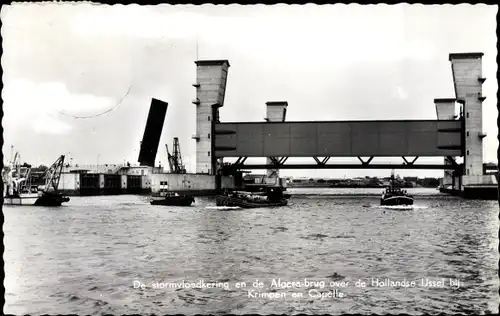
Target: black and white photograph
(249,159)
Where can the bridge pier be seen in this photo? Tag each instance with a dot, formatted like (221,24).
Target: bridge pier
(468,80)
(276,112)
(211,77)
(445,110)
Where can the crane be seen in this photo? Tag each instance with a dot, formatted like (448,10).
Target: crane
(53,175)
(170,160)
(175,159)
(49,196)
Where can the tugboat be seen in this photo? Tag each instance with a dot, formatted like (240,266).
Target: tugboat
(394,196)
(251,200)
(174,199)
(19,190)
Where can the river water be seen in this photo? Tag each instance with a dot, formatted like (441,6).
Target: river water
(83,258)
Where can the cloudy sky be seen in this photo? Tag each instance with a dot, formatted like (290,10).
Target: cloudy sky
(65,62)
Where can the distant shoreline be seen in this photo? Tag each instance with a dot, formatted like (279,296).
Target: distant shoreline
(357,192)
(328,186)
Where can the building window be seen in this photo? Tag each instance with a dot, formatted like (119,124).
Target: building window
(208,135)
(467,114)
(467,153)
(467,134)
(208,153)
(209,116)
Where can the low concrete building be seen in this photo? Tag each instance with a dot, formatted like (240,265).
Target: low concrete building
(186,182)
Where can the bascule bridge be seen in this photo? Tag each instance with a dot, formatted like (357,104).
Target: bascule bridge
(448,136)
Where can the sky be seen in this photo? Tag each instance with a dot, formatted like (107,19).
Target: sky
(63,62)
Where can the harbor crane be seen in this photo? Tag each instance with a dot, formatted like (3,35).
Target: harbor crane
(49,194)
(175,159)
(53,175)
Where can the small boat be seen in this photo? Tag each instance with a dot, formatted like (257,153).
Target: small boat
(174,199)
(51,199)
(248,200)
(394,196)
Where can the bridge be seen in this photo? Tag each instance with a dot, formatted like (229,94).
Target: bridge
(448,136)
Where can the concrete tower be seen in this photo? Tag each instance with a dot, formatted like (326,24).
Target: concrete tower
(211,76)
(276,112)
(445,110)
(468,80)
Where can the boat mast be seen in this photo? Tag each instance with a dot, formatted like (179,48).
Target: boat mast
(16,164)
(11,154)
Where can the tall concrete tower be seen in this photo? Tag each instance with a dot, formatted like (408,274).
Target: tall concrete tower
(445,110)
(276,112)
(211,76)
(468,81)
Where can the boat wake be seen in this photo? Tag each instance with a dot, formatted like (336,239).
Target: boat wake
(223,207)
(400,207)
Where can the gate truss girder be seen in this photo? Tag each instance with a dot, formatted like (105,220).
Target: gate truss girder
(323,161)
(365,162)
(278,161)
(452,161)
(349,166)
(412,162)
(274,161)
(240,161)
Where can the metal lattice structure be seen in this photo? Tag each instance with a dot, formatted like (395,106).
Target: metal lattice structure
(53,175)
(321,163)
(175,159)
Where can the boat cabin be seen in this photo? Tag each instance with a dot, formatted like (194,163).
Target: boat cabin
(395,191)
(170,194)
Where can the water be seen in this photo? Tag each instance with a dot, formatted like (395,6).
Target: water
(84,258)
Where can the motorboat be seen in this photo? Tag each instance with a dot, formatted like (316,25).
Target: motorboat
(174,199)
(395,196)
(250,200)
